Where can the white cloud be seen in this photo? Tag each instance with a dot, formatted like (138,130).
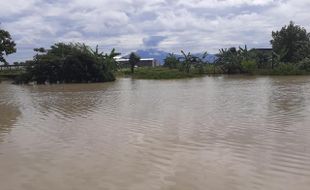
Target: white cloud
(192,25)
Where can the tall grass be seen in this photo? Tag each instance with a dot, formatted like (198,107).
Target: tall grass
(157,73)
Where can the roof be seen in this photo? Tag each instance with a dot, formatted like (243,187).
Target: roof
(263,49)
(142,59)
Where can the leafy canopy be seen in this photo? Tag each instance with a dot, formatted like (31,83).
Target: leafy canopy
(7,45)
(188,60)
(133,60)
(71,63)
(291,43)
(171,61)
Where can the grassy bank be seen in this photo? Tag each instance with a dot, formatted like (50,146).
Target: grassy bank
(166,73)
(157,73)
(281,71)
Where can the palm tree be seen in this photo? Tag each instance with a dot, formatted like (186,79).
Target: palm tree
(244,53)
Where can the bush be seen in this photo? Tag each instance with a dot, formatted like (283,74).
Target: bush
(199,68)
(212,69)
(304,65)
(23,78)
(68,63)
(288,69)
(158,73)
(249,66)
(171,61)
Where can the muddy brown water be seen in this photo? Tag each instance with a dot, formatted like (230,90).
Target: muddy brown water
(218,133)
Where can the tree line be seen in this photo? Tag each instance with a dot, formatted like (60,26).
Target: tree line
(70,63)
(290,54)
(77,62)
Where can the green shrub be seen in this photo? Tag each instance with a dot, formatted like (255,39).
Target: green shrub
(171,61)
(158,73)
(249,66)
(69,63)
(304,65)
(212,69)
(199,68)
(288,69)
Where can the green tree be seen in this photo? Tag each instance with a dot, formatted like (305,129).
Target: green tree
(234,61)
(248,66)
(304,65)
(69,63)
(133,60)
(189,60)
(7,45)
(263,58)
(291,43)
(109,60)
(171,61)
(229,60)
(244,53)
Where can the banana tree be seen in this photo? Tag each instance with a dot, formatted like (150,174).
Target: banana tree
(244,53)
(277,57)
(229,60)
(106,60)
(188,60)
(110,61)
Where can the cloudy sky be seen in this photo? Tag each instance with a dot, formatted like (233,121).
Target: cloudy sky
(128,25)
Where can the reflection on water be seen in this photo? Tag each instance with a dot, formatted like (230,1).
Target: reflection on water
(9,111)
(227,132)
(288,101)
(8,116)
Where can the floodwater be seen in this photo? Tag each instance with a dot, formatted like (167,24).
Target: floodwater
(217,133)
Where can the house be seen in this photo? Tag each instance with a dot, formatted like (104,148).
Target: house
(263,50)
(144,62)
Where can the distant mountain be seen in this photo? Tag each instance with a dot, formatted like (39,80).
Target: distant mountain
(209,58)
(153,53)
(161,55)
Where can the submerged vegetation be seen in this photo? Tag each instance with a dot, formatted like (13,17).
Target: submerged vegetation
(78,63)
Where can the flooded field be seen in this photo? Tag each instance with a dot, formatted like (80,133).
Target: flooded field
(226,132)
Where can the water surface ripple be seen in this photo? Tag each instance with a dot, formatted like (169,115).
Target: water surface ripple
(226,132)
